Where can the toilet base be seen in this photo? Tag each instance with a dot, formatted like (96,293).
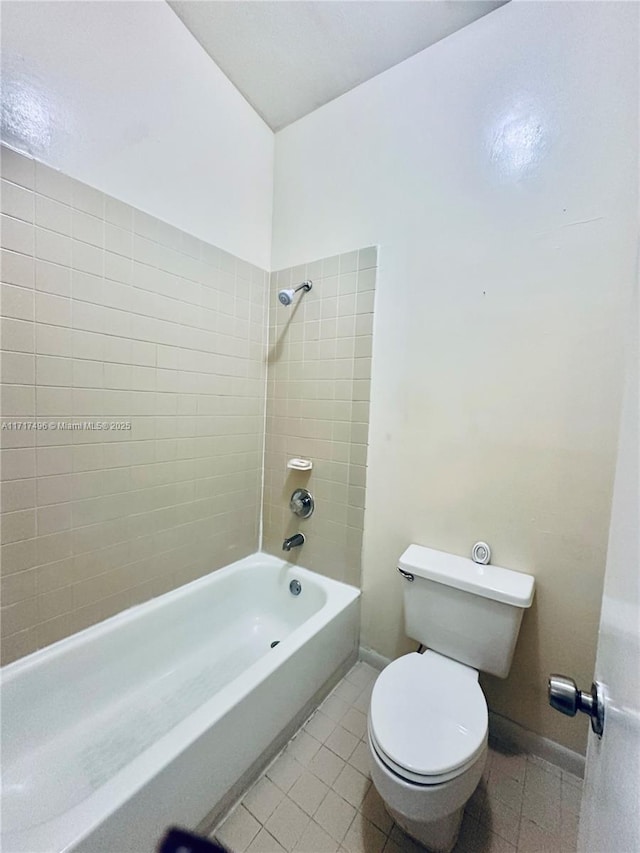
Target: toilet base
(431,814)
(438,836)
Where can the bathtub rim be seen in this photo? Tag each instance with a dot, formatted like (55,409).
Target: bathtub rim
(106,626)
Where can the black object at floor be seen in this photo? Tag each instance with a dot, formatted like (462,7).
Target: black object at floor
(182,841)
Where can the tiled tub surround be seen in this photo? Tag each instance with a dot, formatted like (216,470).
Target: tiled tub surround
(111,315)
(317,796)
(318,408)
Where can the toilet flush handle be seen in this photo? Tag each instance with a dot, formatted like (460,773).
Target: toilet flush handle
(406,575)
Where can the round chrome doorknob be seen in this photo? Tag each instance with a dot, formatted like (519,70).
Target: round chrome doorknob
(565,697)
(563,694)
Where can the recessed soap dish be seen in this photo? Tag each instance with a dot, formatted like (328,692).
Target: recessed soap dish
(300,464)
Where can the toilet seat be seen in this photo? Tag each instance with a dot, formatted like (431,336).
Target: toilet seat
(415,778)
(428,718)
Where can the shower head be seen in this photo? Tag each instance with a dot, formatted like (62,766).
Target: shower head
(286,296)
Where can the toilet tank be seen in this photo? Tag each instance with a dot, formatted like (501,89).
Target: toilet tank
(465,611)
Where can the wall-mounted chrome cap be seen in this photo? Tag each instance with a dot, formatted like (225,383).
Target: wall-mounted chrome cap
(481,553)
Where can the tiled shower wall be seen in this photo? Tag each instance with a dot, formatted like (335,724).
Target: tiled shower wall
(318,408)
(112,316)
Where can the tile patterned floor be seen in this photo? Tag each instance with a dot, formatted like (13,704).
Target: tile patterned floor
(317,796)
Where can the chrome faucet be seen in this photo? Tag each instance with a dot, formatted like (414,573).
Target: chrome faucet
(293,542)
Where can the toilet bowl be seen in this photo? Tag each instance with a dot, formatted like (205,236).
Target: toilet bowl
(427,731)
(428,716)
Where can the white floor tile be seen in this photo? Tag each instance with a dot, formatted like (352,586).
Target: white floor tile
(264,842)
(326,765)
(342,742)
(335,815)
(501,819)
(354,721)
(303,747)
(335,708)
(361,759)
(362,674)
(263,798)
(505,789)
(287,823)
(485,841)
(373,809)
(534,839)
(363,837)
(509,765)
(320,726)
(315,840)
(285,771)
(238,830)
(317,797)
(571,797)
(364,699)
(308,792)
(347,691)
(352,786)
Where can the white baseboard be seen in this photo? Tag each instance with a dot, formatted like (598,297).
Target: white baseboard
(507,733)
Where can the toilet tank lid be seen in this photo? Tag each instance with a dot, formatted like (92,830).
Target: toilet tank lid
(505,585)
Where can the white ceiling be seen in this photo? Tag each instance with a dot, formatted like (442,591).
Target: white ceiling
(289,57)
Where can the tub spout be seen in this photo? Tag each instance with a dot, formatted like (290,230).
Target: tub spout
(293,542)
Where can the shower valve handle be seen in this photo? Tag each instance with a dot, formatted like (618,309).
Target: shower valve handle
(302,503)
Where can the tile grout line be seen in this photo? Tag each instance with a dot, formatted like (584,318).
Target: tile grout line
(390,838)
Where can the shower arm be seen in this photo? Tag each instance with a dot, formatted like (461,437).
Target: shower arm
(285,297)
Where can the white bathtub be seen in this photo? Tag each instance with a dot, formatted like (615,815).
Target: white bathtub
(153,716)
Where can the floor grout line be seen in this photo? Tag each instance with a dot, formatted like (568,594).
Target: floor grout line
(478,834)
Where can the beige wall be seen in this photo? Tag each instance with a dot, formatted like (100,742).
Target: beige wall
(111,315)
(318,408)
(497,171)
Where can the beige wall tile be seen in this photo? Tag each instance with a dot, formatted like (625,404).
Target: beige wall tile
(16,335)
(52,278)
(15,526)
(53,184)
(52,215)
(16,268)
(17,201)
(314,410)
(17,168)
(16,235)
(53,247)
(172,344)
(18,494)
(17,464)
(17,302)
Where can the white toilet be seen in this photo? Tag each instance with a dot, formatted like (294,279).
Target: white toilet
(428,714)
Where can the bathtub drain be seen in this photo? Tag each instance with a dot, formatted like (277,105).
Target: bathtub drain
(274,644)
